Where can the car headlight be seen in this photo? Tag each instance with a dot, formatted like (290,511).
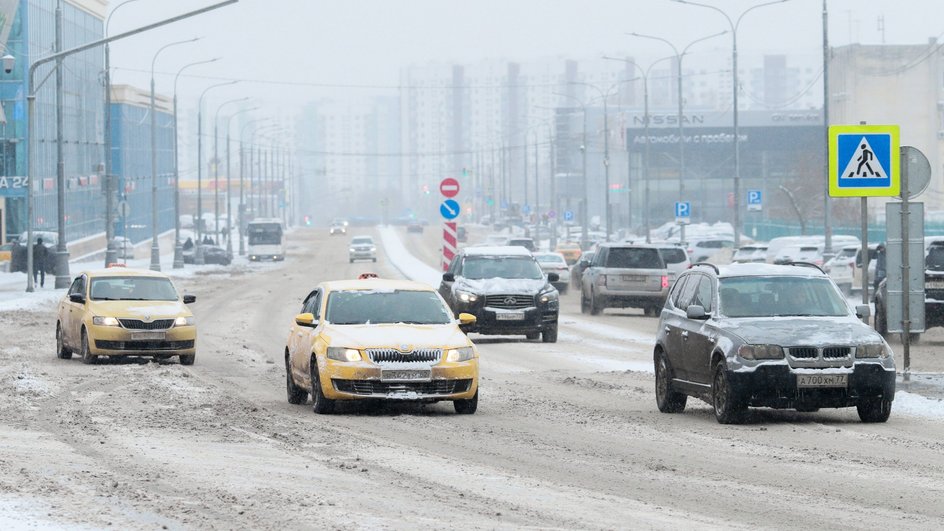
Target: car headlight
(466,296)
(343,354)
(184,321)
(460,354)
(373,249)
(353,250)
(549,296)
(761,352)
(105,321)
(872,350)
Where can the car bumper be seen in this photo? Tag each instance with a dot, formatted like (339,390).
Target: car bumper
(776,386)
(534,320)
(355,381)
(117,341)
(366,255)
(631,299)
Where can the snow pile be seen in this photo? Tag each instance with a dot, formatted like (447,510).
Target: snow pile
(40,300)
(912,405)
(404,261)
(26,384)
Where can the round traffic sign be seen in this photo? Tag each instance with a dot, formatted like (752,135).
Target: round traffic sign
(449,187)
(449,209)
(916,164)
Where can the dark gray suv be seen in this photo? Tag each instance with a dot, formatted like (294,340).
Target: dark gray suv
(764,335)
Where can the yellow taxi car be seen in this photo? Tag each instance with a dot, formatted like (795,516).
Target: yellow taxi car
(374,338)
(125,312)
(570,250)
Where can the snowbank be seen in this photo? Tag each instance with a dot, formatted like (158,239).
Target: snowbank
(410,266)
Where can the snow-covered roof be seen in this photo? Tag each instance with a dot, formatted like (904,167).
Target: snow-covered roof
(504,250)
(378,284)
(756,269)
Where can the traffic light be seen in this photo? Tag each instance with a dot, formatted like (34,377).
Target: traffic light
(426,189)
(307,220)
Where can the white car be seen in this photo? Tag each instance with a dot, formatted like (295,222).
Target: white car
(703,250)
(555,263)
(750,253)
(362,248)
(846,267)
(675,258)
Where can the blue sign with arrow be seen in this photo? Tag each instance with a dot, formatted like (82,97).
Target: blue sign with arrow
(449,209)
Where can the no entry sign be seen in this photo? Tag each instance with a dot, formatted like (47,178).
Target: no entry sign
(449,187)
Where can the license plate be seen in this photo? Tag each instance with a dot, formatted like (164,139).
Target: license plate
(632,278)
(405,375)
(139,336)
(822,380)
(510,316)
(936,284)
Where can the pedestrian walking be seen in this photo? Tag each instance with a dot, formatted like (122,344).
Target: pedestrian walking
(40,255)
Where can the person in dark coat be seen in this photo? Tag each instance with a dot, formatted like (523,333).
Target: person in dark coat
(880,267)
(40,254)
(188,244)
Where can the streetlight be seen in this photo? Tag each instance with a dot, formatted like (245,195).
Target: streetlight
(155,246)
(111,252)
(229,194)
(242,182)
(198,250)
(216,167)
(583,155)
(734,89)
(678,60)
(178,247)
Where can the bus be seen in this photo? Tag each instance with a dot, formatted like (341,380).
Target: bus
(265,239)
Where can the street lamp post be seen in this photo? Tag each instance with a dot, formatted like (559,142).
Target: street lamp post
(242,182)
(155,246)
(178,247)
(734,89)
(198,250)
(585,217)
(681,136)
(229,194)
(216,167)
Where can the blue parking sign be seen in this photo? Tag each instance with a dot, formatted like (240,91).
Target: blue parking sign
(568,215)
(754,200)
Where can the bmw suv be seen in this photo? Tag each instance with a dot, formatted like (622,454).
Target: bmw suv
(764,335)
(505,289)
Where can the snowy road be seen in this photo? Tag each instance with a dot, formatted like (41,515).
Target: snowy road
(566,436)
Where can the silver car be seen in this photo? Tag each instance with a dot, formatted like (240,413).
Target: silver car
(764,335)
(362,248)
(624,275)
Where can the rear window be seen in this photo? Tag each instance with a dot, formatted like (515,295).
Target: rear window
(935,258)
(673,256)
(634,258)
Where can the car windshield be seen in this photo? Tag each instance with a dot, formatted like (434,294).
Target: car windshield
(132,289)
(265,234)
(481,267)
(549,258)
(634,258)
(673,255)
(359,307)
(362,241)
(760,296)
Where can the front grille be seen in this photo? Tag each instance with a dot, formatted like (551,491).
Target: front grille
(509,302)
(143,345)
(376,387)
(812,353)
(392,355)
(137,324)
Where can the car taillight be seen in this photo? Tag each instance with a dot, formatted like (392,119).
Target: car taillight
(601,280)
(665,281)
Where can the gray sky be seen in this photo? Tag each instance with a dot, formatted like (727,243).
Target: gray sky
(292,44)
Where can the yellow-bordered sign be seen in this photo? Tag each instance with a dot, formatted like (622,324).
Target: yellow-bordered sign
(864,161)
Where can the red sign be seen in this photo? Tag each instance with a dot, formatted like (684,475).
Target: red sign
(449,187)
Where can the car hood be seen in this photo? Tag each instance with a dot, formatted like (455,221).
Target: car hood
(501,286)
(807,331)
(396,336)
(147,310)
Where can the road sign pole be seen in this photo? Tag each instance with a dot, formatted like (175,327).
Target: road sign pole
(905,274)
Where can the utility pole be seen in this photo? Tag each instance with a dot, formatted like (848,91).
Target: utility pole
(827,205)
(62,254)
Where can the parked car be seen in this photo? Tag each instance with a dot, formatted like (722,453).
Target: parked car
(766,335)
(555,263)
(379,339)
(212,254)
(750,253)
(505,289)
(362,248)
(846,267)
(812,254)
(570,250)
(415,226)
(6,253)
(933,295)
(18,255)
(125,312)
(624,275)
(701,250)
(675,258)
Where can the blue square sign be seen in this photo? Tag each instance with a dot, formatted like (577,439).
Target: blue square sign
(864,161)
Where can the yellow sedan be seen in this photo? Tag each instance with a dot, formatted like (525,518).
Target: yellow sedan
(380,339)
(125,312)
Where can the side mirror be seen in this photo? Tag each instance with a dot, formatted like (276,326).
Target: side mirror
(467,319)
(305,319)
(189,299)
(77,298)
(553,277)
(863,311)
(695,311)
(583,263)
(449,277)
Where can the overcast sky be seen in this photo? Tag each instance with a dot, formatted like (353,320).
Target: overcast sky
(288,47)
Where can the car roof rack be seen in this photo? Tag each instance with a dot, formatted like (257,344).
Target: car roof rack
(807,264)
(707,264)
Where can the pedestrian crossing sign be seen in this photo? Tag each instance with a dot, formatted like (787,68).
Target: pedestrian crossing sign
(864,161)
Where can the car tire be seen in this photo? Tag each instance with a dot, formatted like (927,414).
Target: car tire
(729,407)
(584,305)
(374,260)
(549,335)
(532,336)
(668,400)
(874,410)
(319,403)
(62,352)
(87,357)
(467,406)
(881,321)
(595,307)
(187,359)
(352,260)
(296,394)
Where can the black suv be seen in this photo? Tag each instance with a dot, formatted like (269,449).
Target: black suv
(505,289)
(933,294)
